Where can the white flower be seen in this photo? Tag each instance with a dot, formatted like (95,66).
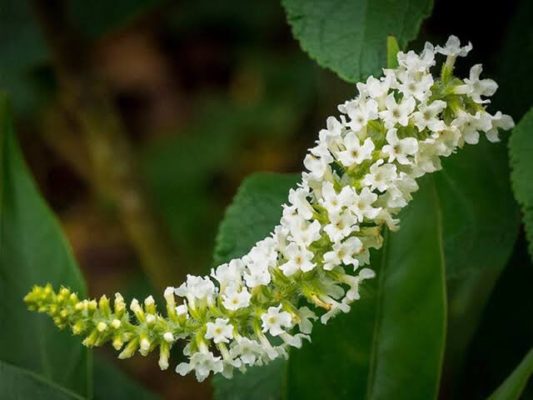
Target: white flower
(355,152)
(318,160)
(343,253)
(333,219)
(413,62)
(453,48)
(333,129)
(354,281)
(499,121)
(202,363)
(229,273)
(249,351)
(399,149)
(427,116)
(234,299)
(360,112)
(196,287)
(381,176)
(298,198)
(362,207)
(256,276)
(397,113)
(306,315)
(298,259)
(475,87)
(303,232)
(274,320)
(471,125)
(417,86)
(333,201)
(220,331)
(182,310)
(341,224)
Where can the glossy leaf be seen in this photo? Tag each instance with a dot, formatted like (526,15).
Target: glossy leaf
(254,212)
(397,327)
(33,251)
(515,384)
(19,384)
(521,151)
(350,37)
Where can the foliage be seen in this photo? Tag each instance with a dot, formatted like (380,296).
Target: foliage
(349,37)
(435,323)
(520,151)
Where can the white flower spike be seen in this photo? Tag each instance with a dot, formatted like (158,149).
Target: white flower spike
(360,173)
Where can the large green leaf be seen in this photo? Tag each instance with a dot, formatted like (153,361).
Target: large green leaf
(19,384)
(521,155)
(33,251)
(350,36)
(515,384)
(255,210)
(112,383)
(396,329)
(479,228)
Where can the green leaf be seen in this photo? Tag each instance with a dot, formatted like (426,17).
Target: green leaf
(33,251)
(19,384)
(350,36)
(515,384)
(520,151)
(255,210)
(396,328)
(257,383)
(480,227)
(112,383)
(393,48)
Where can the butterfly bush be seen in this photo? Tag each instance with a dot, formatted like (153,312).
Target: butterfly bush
(359,175)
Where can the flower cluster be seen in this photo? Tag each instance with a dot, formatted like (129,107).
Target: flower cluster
(359,175)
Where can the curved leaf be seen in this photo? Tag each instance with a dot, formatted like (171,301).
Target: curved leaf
(112,383)
(350,36)
(521,151)
(479,228)
(515,384)
(33,251)
(396,330)
(18,384)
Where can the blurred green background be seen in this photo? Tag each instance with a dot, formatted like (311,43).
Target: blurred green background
(203,93)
